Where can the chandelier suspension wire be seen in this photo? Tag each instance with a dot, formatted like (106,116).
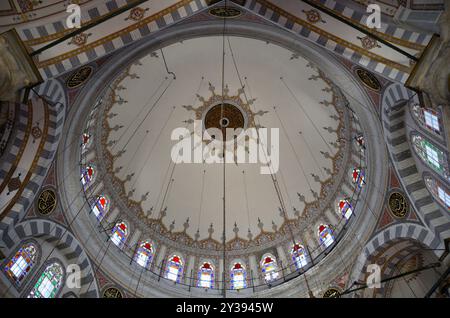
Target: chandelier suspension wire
(246,198)
(283,181)
(302,169)
(306,113)
(201,200)
(312,154)
(224,240)
(277,186)
(149,153)
(155,104)
(73,201)
(146,104)
(272,174)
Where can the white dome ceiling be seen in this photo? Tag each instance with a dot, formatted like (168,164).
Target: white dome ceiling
(142,120)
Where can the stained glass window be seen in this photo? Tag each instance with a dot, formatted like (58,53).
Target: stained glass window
(238,276)
(359,177)
(431,154)
(87,175)
(100,207)
(85,140)
(345,208)
(360,142)
(144,254)
(439,192)
(427,117)
(119,234)
(174,269)
(325,235)
(269,268)
(22,262)
(298,254)
(206,276)
(48,283)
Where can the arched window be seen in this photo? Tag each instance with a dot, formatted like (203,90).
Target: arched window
(174,268)
(48,283)
(439,192)
(432,155)
(360,142)
(345,208)
(325,235)
(87,175)
(119,234)
(359,177)
(85,140)
(206,276)
(238,276)
(144,254)
(100,207)
(429,118)
(298,254)
(269,268)
(22,262)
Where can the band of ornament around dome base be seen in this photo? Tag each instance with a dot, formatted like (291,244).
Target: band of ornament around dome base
(136,215)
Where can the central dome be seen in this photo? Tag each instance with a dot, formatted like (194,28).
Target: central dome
(183,203)
(221,215)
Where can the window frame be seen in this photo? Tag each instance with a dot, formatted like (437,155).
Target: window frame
(41,271)
(20,286)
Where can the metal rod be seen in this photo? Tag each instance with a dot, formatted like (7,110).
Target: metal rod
(360,29)
(438,283)
(433,265)
(88,26)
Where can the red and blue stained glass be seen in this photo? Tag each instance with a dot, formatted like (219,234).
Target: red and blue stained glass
(119,234)
(359,177)
(174,269)
(22,262)
(87,175)
(238,277)
(100,207)
(85,139)
(298,254)
(269,268)
(206,276)
(144,254)
(346,208)
(325,235)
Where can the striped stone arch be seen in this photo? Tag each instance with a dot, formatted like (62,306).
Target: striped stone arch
(395,107)
(416,233)
(53,91)
(64,241)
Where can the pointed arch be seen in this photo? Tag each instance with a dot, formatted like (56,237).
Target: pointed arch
(101,207)
(119,234)
(269,268)
(325,235)
(144,254)
(23,261)
(238,276)
(299,256)
(206,275)
(174,268)
(49,282)
(431,155)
